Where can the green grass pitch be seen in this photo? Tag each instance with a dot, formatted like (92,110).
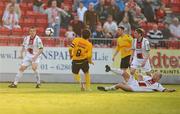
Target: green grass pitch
(68,99)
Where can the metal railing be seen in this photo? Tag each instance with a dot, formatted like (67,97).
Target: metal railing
(97,42)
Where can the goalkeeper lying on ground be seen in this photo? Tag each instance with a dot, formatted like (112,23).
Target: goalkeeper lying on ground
(146,84)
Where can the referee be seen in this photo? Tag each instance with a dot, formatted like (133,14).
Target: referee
(124,44)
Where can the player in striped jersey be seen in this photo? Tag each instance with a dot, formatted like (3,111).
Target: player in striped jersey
(33,48)
(147,84)
(140,53)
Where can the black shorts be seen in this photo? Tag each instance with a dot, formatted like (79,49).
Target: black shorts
(78,65)
(125,62)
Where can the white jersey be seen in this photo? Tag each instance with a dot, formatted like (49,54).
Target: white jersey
(149,84)
(140,48)
(80,13)
(32,45)
(146,85)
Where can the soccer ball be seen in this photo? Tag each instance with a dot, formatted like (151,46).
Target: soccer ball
(49,31)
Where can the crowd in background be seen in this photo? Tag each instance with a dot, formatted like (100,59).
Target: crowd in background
(102,17)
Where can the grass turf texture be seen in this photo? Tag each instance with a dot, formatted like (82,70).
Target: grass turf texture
(68,99)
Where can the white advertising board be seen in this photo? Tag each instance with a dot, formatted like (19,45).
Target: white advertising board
(54,60)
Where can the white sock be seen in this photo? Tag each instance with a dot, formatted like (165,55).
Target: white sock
(111,87)
(37,77)
(117,71)
(18,76)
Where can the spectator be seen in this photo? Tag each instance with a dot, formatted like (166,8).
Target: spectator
(166,32)
(76,4)
(156,4)
(125,23)
(160,13)
(131,4)
(154,36)
(10,18)
(98,35)
(87,2)
(101,10)
(18,1)
(113,10)
(37,6)
(66,19)
(148,11)
(54,17)
(77,25)
(16,7)
(70,34)
(128,14)
(80,11)
(125,1)
(138,16)
(107,2)
(110,27)
(120,4)
(91,17)
(59,3)
(99,32)
(174,27)
(139,3)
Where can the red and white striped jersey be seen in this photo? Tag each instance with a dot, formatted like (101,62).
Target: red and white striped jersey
(32,45)
(140,48)
(149,84)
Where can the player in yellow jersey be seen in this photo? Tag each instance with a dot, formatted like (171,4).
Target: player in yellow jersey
(124,44)
(81,54)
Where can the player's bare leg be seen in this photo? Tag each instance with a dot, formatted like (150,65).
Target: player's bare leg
(77,78)
(36,72)
(119,72)
(88,81)
(121,85)
(18,76)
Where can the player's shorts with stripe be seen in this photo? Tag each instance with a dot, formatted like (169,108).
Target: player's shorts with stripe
(136,63)
(27,61)
(134,85)
(78,65)
(125,62)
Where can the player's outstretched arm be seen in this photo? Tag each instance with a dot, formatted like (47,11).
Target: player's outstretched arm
(169,90)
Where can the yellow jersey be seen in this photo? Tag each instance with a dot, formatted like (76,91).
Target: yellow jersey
(81,49)
(124,44)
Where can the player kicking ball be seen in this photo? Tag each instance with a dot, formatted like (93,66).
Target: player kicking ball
(33,48)
(146,84)
(80,53)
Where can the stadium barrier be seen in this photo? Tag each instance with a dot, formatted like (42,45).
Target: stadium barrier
(97,42)
(55,65)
